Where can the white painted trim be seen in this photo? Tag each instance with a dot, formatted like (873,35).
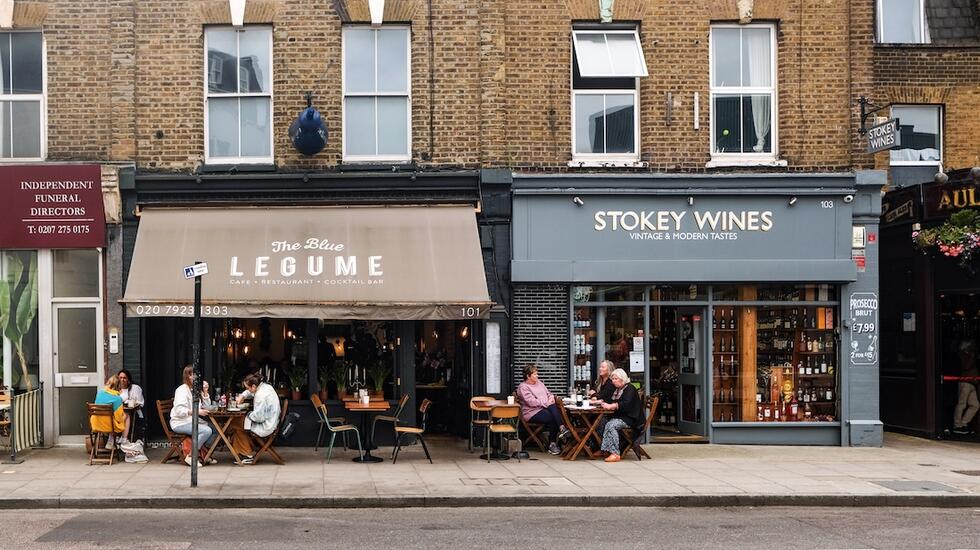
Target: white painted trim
(636,41)
(923,37)
(208,159)
(45,348)
(395,159)
(43,109)
(750,159)
(237,9)
(6,14)
(377,8)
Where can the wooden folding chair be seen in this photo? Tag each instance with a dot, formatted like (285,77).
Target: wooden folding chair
(633,436)
(265,443)
(175,441)
(532,429)
(100,438)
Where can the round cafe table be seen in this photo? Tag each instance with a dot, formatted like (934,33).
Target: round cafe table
(367,443)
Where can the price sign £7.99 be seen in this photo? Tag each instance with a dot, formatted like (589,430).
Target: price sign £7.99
(863,310)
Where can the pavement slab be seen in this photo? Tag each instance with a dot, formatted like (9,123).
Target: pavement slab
(906,471)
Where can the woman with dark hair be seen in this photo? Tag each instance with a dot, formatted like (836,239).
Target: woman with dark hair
(262,420)
(181,415)
(538,405)
(132,396)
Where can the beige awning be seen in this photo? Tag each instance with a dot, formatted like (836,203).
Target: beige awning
(400,262)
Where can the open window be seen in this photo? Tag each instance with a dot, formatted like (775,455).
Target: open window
(606,66)
(902,22)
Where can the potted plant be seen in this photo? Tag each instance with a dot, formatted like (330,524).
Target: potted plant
(297,379)
(18,307)
(324,375)
(379,374)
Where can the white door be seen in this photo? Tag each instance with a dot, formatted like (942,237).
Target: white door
(78,368)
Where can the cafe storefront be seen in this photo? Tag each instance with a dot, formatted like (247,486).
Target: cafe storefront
(319,294)
(931,312)
(747,302)
(52,291)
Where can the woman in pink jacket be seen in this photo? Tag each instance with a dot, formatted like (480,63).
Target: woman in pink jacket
(538,406)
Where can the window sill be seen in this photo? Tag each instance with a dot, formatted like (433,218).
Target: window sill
(933,163)
(724,162)
(225,167)
(607,163)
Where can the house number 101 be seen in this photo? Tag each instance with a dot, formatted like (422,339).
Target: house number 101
(468,312)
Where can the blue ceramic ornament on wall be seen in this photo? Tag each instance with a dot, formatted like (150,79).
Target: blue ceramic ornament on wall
(308,132)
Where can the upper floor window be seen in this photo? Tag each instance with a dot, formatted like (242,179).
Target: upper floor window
(377,94)
(743,91)
(22,101)
(902,22)
(606,67)
(238,107)
(920,133)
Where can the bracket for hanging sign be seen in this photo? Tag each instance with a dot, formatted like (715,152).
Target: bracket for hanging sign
(865,113)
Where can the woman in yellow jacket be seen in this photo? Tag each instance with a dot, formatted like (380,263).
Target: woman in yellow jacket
(109,395)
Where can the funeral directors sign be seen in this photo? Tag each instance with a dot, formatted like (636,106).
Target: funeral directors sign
(653,238)
(51,206)
(884,136)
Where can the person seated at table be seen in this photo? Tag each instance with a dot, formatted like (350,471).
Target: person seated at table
(602,389)
(627,413)
(181,415)
(538,406)
(262,420)
(119,424)
(132,396)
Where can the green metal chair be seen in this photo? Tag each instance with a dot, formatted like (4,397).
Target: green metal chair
(322,421)
(338,429)
(394,418)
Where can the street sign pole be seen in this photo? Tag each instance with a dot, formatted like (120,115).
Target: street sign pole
(196,390)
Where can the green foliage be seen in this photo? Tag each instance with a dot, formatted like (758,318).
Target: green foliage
(378,373)
(18,305)
(297,377)
(958,237)
(339,375)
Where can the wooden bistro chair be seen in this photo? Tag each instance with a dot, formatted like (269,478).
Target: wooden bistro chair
(339,428)
(5,416)
(322,420)
(532,429)
(265,443)
(633,436)
(394,418)
(174,441)
(100,454)
(479,416)
(410,430)
(503,419)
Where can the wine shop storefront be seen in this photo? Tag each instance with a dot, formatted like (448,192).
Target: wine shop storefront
(748,302)
(319,298)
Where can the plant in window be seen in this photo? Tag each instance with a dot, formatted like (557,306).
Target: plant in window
(958,237)
(18,307)
(379,374)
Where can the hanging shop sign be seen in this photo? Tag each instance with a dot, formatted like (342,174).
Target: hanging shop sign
(900,205)
(863,309)
(51,206)
(939,200)
(884,136)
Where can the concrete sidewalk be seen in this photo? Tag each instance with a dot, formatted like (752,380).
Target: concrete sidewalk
(906,472)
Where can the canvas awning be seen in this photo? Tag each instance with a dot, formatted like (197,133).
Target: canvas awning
(395,263)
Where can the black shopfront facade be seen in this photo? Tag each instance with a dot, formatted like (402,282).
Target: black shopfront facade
(930,309)
(424,346)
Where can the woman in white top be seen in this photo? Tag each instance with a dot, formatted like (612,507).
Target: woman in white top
(263,419)
(180,415)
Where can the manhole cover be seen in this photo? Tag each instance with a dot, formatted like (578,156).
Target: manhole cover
(967,472)
(906,485)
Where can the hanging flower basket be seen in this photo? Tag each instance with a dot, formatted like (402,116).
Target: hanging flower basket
(957,238)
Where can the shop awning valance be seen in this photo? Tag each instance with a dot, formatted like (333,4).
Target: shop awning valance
(396,263)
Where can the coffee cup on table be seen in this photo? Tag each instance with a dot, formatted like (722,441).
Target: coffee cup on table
(510,399)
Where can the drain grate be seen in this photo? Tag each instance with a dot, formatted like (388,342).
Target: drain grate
(907,485)
(967,472)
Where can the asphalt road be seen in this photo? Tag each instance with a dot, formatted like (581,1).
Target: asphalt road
(517,528)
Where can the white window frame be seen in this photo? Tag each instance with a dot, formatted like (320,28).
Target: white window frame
(941,113)
(42,97)
(636,42)
(721,159)
(594,159)
(407,157)
(208,95)
(924,37)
